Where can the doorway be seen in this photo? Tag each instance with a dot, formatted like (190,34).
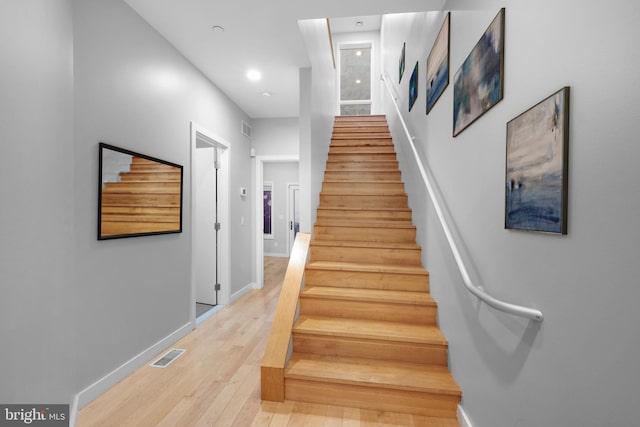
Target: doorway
(209,225)
(261,161)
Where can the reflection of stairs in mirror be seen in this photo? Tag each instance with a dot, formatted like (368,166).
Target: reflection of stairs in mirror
(367,334)
(147,199)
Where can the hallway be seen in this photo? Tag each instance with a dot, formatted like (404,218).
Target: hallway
(216,382)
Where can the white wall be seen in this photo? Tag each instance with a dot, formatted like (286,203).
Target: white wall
(578,367)
(317,113)
(37,284)
(276,137)
(133,89)
(280,175)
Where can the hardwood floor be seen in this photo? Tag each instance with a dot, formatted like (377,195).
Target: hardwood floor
(217,381)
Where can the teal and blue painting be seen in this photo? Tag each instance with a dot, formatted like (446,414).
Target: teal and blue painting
(438,65)
(478,83)
(536,167)
(413,87)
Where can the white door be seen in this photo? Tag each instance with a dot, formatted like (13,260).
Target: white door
(294,212)
(205,216)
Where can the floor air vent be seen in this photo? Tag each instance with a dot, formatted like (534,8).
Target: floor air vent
(168,358)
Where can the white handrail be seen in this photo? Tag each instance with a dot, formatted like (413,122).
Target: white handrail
(517,310)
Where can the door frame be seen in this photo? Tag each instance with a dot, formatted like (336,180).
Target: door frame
(259,214)
(202,136)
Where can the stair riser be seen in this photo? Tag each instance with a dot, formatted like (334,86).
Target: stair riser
(141,199)
(355,137)
(142,187)
(374,398)
(341,201)
(367,280)
(362,234)
(349,215)
(343,141)
(355,157)
(150,176)
(362,176)
(366,255)
(414,314)
(361,166)
(361,127)
(361,149)
(370,349)
(364,188)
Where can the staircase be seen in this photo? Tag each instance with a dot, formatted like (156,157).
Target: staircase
(146,199)
(367,334)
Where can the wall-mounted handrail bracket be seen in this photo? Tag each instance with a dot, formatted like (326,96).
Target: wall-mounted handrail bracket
(517,310)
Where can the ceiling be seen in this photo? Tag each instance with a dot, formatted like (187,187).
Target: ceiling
(262,35)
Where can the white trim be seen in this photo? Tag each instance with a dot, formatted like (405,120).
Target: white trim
(199,133)
(91,392)
(463,419)
(236,295)
(73,410)
(259,168)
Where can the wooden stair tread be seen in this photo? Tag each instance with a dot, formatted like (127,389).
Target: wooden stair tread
(372,268)
(365,224)
(372,373)
(358,208)
(378,330)
(372,245)
(371,295)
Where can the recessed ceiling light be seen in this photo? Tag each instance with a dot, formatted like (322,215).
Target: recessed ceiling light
(218,29)
(266,94)
(359,23)
(358,81)
(358,53)
(254,75)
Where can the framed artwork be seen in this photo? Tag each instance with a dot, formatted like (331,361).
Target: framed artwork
(536,167)
(438,65)
(401,62)
(413,87)
(479,83)
(138,195)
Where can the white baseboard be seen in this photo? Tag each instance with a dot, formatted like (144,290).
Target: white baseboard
(105,383)
(236,295)
(278,255)
(463,419)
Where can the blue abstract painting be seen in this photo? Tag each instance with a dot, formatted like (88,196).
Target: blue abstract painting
(478,84)
(413,87)
(401,62)
(438,65)
(536,167)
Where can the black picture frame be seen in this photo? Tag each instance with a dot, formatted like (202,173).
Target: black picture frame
(537,165)
(138,195)
(438,64)
(479,83)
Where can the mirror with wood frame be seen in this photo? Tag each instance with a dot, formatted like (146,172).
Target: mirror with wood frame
(138,195)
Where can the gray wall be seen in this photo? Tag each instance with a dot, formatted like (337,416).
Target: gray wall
(73,309)
(279,136)
(134,90)
(578,367)
(317,113)
(37,284)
